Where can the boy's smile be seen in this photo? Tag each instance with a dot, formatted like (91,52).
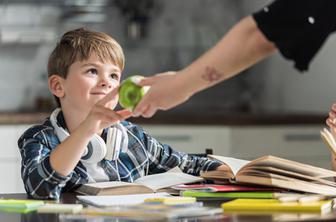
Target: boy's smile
(88,82)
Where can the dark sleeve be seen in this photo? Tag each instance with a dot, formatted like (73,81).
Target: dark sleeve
(298,27)
(40,180)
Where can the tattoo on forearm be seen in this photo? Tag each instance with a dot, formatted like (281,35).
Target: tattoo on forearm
(211,74)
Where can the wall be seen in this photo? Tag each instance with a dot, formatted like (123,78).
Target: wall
(178,32)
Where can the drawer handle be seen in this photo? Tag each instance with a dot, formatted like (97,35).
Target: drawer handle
(179,138)
(302,137)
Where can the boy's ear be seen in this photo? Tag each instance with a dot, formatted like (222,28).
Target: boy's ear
(55,83)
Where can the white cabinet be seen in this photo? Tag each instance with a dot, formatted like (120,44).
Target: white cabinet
(10,160)
(192,138)
(299,143)
(294,142)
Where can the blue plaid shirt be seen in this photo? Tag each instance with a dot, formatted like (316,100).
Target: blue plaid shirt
(145,156)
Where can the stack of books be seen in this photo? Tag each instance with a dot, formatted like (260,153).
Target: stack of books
(272,171)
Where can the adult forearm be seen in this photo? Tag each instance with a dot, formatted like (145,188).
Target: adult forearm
(243,46)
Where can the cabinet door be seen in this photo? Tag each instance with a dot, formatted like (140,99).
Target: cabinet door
(10,172)
(192,139)
(299,143)
(9,136)
(10,160)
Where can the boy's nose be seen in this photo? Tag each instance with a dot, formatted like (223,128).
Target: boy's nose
(106,83)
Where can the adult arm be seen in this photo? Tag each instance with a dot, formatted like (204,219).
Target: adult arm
(243,46)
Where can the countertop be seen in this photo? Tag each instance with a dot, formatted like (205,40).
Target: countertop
(236,119)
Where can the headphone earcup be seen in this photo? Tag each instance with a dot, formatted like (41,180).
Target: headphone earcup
(96,150)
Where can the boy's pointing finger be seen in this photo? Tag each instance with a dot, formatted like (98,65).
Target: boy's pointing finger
(110,96)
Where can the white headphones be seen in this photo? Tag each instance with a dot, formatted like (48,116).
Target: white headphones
(97,150)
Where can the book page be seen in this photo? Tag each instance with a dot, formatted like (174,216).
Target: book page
(287,183)
(289,165)
(168,179)
(234,163)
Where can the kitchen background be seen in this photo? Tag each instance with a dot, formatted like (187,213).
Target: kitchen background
(157,35)
(270,109)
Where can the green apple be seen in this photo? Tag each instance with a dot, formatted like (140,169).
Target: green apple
(130,93)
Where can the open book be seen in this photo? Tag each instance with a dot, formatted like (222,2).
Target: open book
(275,172)
(147,184)
(329,140)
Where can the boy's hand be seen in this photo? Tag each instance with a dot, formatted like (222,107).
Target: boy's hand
(102,115)
(331,120)
(223,167)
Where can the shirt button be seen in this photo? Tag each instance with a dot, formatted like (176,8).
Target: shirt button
(311,20)
(265,9)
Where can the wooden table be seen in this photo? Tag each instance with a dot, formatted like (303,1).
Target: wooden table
(237,217)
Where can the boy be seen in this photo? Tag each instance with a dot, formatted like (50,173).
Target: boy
(84,74)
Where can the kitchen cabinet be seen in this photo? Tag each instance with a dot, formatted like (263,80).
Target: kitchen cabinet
(193,138)
(296,142)
(299,143)
(10,159)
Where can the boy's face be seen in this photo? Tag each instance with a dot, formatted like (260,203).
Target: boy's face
(88,82)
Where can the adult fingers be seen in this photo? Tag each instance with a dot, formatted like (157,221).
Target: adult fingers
(147,81)
(149,112)
(142,106)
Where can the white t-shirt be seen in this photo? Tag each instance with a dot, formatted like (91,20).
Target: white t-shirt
(95,172)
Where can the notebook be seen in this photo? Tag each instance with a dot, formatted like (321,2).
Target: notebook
(271,205)
(20,206)
(223,188)
(254,194)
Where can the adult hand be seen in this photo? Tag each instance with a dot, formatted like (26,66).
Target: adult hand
(166,91)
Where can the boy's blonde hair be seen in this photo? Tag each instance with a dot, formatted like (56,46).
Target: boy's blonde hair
(79,45)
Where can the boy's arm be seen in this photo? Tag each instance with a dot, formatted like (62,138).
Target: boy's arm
(39,179)
(67,154)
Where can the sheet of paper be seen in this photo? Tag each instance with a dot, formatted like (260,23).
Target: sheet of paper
(119,200)
(168,179)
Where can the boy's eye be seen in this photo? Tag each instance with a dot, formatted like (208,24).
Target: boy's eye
(115,76)
(93,71)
